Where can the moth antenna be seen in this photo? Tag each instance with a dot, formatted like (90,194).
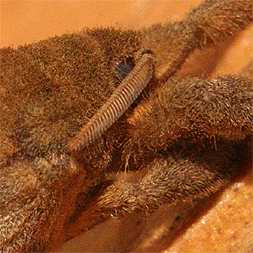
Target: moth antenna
(120,100)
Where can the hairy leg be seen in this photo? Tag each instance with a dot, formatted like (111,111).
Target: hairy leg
(195,109)
(172,177)
(211,22)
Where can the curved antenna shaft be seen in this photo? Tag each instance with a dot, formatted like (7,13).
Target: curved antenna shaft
(123,96)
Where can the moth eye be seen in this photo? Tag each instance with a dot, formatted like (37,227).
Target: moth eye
(124,67)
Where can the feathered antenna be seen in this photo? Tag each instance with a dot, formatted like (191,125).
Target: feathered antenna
(120,100)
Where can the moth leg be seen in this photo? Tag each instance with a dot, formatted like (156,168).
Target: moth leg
(167,179)
(193,108)
(33,204)
(211,22)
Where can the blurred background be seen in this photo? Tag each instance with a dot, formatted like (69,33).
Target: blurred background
(26,21)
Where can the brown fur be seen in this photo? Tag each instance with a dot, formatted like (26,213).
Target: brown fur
(50,89)
(184,173)
(190,108)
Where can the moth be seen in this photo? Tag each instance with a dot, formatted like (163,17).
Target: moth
(79,109)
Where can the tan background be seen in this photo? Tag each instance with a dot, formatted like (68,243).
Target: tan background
(226,224)
(25,21)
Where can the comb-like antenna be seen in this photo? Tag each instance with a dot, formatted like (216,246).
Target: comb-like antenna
(123,96)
